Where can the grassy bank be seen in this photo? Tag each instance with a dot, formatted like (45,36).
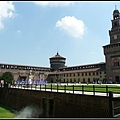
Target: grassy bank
(6,112)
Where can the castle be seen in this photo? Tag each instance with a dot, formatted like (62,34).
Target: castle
(58,72)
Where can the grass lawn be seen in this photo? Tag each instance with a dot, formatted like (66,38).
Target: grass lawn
(5,112)
(89,87)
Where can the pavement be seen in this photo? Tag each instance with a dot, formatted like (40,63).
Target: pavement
(75,92)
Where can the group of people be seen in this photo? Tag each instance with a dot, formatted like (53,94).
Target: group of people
(41,81)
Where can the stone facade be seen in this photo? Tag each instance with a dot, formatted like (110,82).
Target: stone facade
(85,74)
(22,72)
(112,50)
(56,62)
(56,104)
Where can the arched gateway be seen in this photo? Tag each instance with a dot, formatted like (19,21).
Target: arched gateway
(117,79)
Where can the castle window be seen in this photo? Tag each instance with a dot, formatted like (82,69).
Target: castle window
(74,80)
(115,36)
(115,24)
(82,74)
(83,80)
(96,73)
(78,79)
(116,62)
(89,80)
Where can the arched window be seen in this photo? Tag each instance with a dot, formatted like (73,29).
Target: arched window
(83,80)
(117,79)
(116,62)
(74,80)
(89,80)
(67,80)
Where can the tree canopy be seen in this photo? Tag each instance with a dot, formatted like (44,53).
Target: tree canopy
(7,77)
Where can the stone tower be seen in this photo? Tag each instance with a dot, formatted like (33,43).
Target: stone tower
(112,50)
(56,62)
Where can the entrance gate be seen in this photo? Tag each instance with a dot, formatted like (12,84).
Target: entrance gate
(117,79)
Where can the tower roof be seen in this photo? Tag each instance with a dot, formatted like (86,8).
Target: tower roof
(57,56)
(116,13)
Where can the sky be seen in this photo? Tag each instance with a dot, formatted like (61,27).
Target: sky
(33,31)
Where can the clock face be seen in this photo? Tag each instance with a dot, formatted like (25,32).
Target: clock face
(115,36)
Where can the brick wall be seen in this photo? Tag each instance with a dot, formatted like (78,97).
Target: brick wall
(63,104)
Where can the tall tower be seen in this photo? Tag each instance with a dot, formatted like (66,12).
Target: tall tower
(57,61)
(112,50)
(114,33)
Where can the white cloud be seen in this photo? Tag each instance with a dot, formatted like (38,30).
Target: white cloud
(53,3)
(6,11)
(1,25)
(72,26)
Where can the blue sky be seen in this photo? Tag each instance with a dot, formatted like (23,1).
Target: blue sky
(32,32)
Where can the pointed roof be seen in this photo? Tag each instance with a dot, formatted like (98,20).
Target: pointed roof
(116,11)
(57,56)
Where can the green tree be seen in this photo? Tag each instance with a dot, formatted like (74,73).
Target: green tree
(0,76)
(7,77)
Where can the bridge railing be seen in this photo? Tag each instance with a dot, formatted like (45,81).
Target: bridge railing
(71,88)
(83,88)
(112,107)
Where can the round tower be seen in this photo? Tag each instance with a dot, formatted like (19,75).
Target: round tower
(57,61)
